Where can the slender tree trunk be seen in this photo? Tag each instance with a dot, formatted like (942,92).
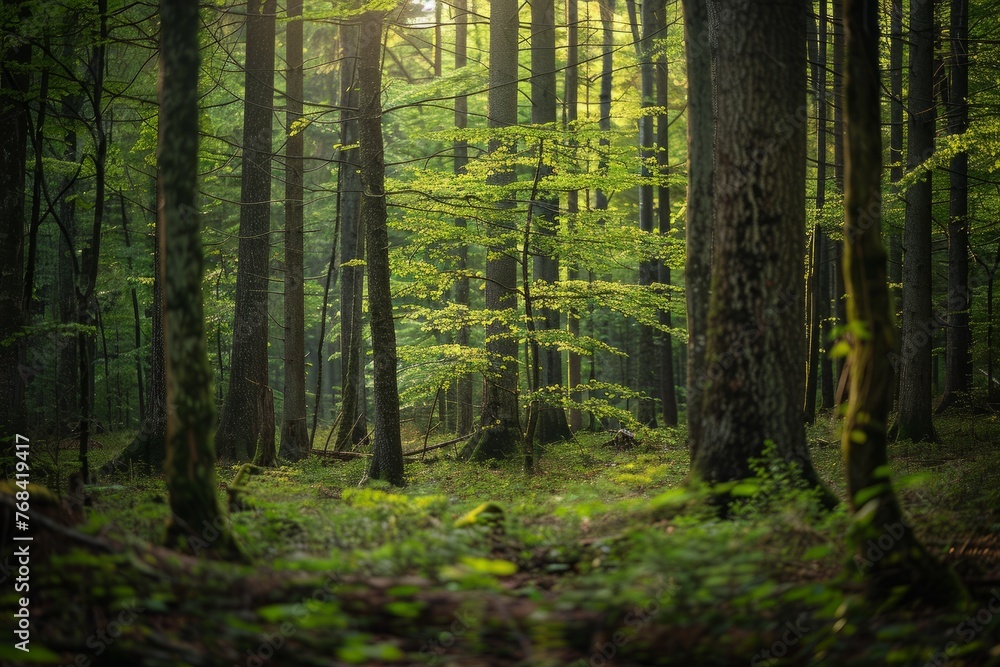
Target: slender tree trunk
(13,151)
(464,389)
(137,322)
(353,426)
(241,417)
(571,97)
(755,347)
(906,566)
(191,481)
(958,362)
(387,452)
(668,392)
(896,158)
(552,425)
(700,205)
(914,419)
(500,432)
(294,435)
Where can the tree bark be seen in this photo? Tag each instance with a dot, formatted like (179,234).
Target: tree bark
(240,418)
(294,435)
(571,97)
(464,390)
(699,219)
(914,420)
(958,361)
(191,482)
(387,451)
(13,151)
(906,566)
(755,345)
(552,425)
(499,436)
(668,392)
(353,427)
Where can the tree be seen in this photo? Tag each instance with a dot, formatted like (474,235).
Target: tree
(13,150)
(387,450)
(914,420)
(571,100)
(353,428)
(463,394)
(499,435)
(191,483)
(294,435)
(958,362)
(552,424)
(241,418)
(876,510)
(754,339)
(700,205)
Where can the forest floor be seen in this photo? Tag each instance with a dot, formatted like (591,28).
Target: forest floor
(599,558)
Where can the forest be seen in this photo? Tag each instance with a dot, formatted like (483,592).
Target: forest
(474,333)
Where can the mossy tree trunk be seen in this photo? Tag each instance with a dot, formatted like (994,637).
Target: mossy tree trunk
(552,425)
(877,515)
(700,206)
(387,450)
(294,435)
(755,348)
(500,432)
(463,393)
(248,363)
(353,427)
(14,82)
(196,521)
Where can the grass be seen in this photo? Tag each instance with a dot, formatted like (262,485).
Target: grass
(593,534)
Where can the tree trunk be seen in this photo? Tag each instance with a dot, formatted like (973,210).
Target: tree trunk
(958,362)
(294,435)
(906,566)
(914,420)
(668,392)
(839,304)
(896,158)
(387,451)
(196,521)
(699,219)
(499,436)
(13,150)
(552,425)
(461,147)
(353,428)
(755,345)
(571,97)
(648,367)
(240,418)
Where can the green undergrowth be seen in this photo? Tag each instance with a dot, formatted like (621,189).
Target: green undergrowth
(615,541)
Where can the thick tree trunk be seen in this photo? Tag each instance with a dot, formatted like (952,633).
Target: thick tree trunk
(906,566)
(387,451)
(240,418)
(294,435)
(196,521)
(463,393)
(699,219)
(914,420)
(958,363)
(552,425)
(13,151)
(500,432)
(353,428)
(755,345)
